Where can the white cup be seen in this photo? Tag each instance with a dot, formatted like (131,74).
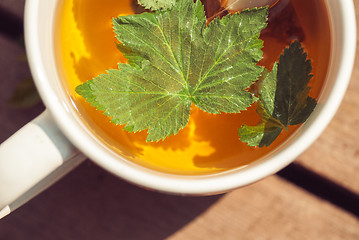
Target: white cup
(46,148)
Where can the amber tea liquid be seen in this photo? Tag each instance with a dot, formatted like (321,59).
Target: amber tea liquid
(85,46)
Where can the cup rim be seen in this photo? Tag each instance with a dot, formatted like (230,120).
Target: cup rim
(178,184)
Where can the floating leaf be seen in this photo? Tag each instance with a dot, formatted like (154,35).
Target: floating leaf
(283,98)
(174,61)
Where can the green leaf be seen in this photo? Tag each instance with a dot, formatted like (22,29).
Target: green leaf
(283,98)
(260,135)
(175,61)
(292,103)
(157,4)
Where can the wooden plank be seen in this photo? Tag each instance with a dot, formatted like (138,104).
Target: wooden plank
(271,209)
(15,7)
(335,154)
(92,204)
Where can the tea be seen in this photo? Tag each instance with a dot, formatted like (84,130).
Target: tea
(209,144)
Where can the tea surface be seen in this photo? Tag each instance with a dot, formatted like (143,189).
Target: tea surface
(86,47)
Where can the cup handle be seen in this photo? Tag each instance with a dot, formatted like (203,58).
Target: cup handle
(32,159)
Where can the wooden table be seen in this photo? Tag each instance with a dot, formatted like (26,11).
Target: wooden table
(317,197)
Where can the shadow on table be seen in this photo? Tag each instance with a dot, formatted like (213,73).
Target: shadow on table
(90,203)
